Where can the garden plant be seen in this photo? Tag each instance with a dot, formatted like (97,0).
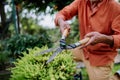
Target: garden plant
(34,67)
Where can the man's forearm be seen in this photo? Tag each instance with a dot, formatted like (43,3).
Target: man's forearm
(109,40)
(60,20)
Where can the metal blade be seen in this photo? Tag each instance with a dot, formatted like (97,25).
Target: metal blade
(46,51)
(55,54)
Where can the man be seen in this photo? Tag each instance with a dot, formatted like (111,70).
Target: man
(100,21)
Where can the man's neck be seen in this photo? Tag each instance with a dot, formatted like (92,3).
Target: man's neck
(94,3)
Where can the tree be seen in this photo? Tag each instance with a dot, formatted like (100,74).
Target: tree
(38,5)
(41,5)
(5,22)
(3,26)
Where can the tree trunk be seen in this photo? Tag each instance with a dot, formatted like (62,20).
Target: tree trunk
(3,20)
(18,19)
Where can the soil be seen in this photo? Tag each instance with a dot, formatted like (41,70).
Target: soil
(5,74)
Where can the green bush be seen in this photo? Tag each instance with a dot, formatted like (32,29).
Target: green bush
(3,59)
(19,43)
(32,67)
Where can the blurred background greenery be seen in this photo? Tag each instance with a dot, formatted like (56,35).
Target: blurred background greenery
(20,30)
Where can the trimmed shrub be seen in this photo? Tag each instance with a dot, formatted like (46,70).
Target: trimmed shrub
(34,67)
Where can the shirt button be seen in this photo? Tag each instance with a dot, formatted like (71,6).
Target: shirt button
(89,26)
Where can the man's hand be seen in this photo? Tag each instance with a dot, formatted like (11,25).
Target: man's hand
(96,37)
(63,25)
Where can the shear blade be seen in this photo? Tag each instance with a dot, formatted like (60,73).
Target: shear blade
(55,54)
(71,46)
(46,51)
(49,50)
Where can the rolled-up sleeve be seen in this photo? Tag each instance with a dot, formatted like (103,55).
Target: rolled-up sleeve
(67,12)
(116,29)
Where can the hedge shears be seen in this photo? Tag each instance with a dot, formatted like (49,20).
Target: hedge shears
(63,46)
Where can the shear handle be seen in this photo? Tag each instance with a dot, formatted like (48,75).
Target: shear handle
(83,41)
(65,34)
(79,43)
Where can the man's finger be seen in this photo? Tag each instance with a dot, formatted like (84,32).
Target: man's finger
(88,43)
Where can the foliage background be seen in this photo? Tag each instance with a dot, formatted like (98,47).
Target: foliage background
(30,33)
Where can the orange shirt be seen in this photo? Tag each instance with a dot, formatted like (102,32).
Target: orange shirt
(104,18)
